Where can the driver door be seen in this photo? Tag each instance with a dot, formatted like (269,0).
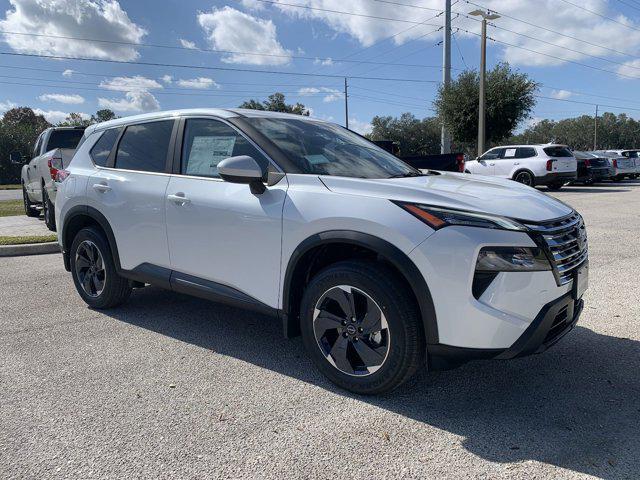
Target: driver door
(222,236)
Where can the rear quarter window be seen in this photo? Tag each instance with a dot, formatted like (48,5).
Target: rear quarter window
(558,152)
(102,149)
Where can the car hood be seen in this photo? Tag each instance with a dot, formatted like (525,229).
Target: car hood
(459,191)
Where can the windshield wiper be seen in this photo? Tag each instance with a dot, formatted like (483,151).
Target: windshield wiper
(409,174)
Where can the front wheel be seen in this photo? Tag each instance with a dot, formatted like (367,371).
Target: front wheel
(29,211)
(94,272)
(48,211)
(361,327)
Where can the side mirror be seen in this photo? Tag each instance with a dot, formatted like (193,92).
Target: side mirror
(15,158)
(243,169)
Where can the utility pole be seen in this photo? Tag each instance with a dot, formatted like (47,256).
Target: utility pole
(445,139)
(483,77)
(346,104)
(595,131)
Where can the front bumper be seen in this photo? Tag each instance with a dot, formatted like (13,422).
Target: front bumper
(556,177)
(554,321)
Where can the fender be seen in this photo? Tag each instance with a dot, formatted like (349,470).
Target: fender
(390,252)
(100,219)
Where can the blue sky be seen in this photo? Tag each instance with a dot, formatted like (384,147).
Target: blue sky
(599,34)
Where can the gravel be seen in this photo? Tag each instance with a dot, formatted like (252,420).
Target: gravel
(173,387)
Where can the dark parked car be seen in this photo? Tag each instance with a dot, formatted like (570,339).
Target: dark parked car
(592,168)
(446,162)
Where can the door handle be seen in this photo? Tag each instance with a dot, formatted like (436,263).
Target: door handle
(491,164)
(101,187)
(517,163)
(179,199)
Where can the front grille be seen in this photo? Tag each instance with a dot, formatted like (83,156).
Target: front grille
(565,243)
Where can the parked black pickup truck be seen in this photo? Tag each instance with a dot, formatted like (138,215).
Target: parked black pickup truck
(447,162)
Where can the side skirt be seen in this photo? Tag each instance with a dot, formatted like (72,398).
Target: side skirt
(196,287)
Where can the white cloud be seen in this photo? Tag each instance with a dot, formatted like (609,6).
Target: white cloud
(558,16)
(561,94)
(73,99)
(201,83)
(168,79)
(252,4)
(360,127)
(134,101)
(630,69)
(130,84)
(332,93)
(103,19)
(56,116)
(323,61)
(8,105)
(232,30)
(188,44)
(68,73)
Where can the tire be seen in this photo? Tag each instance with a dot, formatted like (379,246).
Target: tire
(617,179)
(29,211)
(554,187)
(110,289)
(525,177)
(392,347)
(48,211)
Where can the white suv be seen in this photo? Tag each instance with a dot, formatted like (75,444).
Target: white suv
(381,268)
(550,165)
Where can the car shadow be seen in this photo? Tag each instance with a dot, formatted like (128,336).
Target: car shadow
(577,406)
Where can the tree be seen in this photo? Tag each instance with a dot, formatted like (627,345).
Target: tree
(103,115)
(19,129)
(75,120)
(276,103)
(414,136)
(509,100)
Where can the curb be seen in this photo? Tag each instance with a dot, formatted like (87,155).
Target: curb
(29,249)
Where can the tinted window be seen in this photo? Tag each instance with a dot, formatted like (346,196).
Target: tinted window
(558,152)
(630,154)
(492,154)
(102,148)
(326,149)
(207,142)
(144,147)
(64,139)
(525,152)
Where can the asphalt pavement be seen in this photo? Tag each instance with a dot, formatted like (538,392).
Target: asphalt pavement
(168,386)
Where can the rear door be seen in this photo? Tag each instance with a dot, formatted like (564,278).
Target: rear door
(130,189)
(220,234)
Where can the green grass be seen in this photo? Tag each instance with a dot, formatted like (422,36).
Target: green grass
(11,207)
(27,239)
(10,187)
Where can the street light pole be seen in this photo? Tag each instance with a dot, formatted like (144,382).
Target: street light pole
(483,77)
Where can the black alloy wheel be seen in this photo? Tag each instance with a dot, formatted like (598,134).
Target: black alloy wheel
(525,178)
(90,269)
(351,330)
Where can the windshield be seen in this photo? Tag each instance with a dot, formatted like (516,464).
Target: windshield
(583,155)
(64,139)
(630,154)
(327,149)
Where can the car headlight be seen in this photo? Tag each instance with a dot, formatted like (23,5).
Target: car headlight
(437,217)
(512,259)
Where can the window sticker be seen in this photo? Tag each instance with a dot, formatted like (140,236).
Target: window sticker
(510,153)
(207,152)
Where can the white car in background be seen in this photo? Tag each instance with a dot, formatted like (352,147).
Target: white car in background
(627,162)
(551,165)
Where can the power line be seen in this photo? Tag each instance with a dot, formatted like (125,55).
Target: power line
(630,5)
(455,40)
(210,50)
(587,103)
(599,15)
(201,67)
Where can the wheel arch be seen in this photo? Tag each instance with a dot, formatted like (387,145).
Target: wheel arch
(302,260)
(82,216)
(524,169)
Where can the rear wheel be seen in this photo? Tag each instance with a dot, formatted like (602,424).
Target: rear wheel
(94,272)
(361,327)
(524,177)
(29,211)
(617,179)
(555,186)
(48,211)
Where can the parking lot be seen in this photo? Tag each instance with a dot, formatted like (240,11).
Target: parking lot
(169,387)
